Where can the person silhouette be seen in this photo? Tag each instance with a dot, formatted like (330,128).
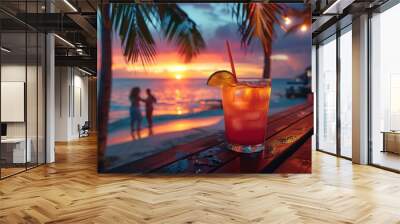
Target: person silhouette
(134,111)
(149,102)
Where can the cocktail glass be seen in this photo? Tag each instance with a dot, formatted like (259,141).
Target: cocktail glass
(246,106)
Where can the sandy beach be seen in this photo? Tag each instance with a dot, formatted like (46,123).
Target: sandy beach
(168,134)
(178,125)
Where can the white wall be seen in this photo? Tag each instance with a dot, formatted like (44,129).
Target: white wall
(16,73)
(71,102)
(12,73)
(80,110)
(61,114)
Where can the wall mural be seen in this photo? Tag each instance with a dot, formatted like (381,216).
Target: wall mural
(205,88)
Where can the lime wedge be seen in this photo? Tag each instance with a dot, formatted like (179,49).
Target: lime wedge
(221,78)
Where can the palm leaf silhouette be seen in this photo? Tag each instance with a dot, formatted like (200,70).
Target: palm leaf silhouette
(257,20)
(134,24)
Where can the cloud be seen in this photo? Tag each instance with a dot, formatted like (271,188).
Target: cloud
(228,31)
(216,43)
(291,53)
(206,10)
(203,6)
(296,64)
(293,41)
(279,57)
(224,10)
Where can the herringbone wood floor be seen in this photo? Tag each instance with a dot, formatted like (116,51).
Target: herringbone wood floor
(70,191)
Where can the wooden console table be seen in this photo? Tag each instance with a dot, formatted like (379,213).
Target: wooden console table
(391,141)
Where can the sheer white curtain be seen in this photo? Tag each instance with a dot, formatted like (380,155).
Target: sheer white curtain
(327,96)
(346,94)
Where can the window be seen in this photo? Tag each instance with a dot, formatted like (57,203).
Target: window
(346,93)
(327,96)
(22,77)
(385,89)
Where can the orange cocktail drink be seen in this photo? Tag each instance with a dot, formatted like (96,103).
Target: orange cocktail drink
(246,105)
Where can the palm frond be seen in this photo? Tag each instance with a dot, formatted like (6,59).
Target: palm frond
(258,20)
(130,23)
(178,28)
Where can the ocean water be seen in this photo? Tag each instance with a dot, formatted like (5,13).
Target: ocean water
(182,97)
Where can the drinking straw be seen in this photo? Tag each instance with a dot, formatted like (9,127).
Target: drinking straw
(231,59)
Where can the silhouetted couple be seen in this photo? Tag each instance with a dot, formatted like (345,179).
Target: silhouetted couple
(135,113)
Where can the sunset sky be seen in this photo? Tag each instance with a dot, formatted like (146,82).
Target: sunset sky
(291,53)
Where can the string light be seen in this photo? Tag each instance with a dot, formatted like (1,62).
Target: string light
(64,40)
(5,50)
(303,28)
(288,21)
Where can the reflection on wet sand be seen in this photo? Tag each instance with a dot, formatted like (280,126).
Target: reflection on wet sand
(167,127)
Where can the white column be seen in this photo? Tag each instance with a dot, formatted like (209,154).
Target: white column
(360,90)
(50,92)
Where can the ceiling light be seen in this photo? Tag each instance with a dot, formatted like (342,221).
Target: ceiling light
(70,5)
(338,6)
(330,7)
(5,50)
(64,40)
(79,51)
(84,71)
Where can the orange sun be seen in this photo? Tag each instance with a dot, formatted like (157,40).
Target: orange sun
(178,76)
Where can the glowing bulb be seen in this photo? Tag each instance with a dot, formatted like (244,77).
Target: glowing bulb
(288,21)
(303,28)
